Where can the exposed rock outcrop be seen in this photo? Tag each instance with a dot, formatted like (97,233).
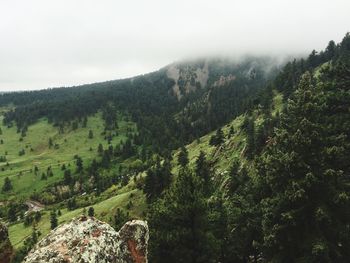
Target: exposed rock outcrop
(86,239)
(6,250)
(188,78)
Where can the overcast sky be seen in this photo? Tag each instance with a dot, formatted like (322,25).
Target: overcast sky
(51,43)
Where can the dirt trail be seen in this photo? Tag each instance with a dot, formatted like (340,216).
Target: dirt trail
(34,206)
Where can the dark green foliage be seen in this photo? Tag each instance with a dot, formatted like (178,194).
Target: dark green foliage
(50,142)
(158,179)
(12,213)
(120,218)
(79,164)
(304,174)
(179,223)
(285,200)
(71,204)
(126,149)
(100,149)
(91,134)
(7,186)
(202,170)
(183,157)
(53,219)
(109,114)
(217,138)
(248,127)
(32,218)
(37,216)
(243,221)
(28,244)
(150,102)
(67,177)
(106,159)
(91,211)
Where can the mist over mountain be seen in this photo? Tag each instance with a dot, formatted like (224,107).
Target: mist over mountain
(61,43)
(177,131)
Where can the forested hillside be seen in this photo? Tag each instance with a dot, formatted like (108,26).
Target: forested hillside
(229,161)
(172,108)
(285,195)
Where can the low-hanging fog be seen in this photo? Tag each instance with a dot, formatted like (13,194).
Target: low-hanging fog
(63,42)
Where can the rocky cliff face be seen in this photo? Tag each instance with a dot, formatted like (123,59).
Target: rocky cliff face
(86,239)
(6,251)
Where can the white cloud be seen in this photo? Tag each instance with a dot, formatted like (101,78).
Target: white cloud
(64,42)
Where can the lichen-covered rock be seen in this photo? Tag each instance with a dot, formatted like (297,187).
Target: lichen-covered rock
(6,250)
(135,236)
(86,239)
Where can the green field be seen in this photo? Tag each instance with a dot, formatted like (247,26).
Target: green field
(38,153)
(77,142)
(104,210)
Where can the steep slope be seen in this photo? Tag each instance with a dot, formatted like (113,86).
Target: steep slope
(182,104)
(184,112)
(276,188)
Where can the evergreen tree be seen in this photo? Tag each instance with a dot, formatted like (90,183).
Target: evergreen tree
(243,214)
(183,157)
(179,223)
(11,213)
(53,219)
(249,129)
(203,171)
(91,134)
(100,149)
(217,138)
(91,211)
(7,185)
(158,179)
(67,177)
(79,164)
(50,142)
(304,175)
(85,120)
(120,218)
(71,204)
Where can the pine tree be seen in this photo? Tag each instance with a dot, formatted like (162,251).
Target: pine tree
(217,138)
(183,157)
(304,175)
(11,213)
(91,134)
(158,179)
(100,149)
(249,128)
(67,177)
(53,219)
(120,218)
(79,164)
(179,223)
(7,185)
(91,211)
(203,171)
(50,142)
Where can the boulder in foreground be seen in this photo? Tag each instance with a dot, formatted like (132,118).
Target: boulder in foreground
(86,239)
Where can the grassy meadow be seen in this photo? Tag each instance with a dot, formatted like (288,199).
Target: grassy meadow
(20,169)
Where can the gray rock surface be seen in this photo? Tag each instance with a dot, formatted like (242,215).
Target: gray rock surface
(86,239)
